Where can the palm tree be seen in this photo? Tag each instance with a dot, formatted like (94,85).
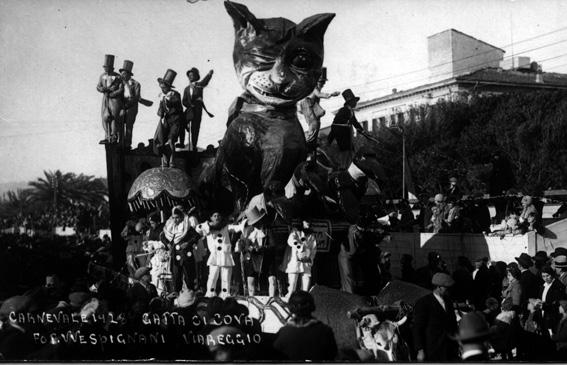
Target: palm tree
(16,203)
(59,190)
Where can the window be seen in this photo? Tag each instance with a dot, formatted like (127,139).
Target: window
(364,125)
(400,118)
(382,121)
(374,125)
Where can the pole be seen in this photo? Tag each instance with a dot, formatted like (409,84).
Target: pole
(403,164)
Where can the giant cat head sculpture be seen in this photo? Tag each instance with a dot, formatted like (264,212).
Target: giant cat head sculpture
(276,60)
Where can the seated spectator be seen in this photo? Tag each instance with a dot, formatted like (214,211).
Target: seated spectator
(454,219)
(304,337)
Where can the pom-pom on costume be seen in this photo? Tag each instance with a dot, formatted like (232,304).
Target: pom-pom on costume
(181,237)
(303,249)
(220,260)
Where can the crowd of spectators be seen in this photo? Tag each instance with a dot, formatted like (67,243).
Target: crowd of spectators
(57,306)
(81,217)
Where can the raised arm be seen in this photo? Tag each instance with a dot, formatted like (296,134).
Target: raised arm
(205,81)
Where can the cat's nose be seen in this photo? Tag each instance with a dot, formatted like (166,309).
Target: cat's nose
(278,73)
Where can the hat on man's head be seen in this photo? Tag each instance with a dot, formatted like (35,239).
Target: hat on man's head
(559,251)
(348,95)
(453,179)
(195,71)
(525,260)
(442,279)
(540,256)
(323,76)
(108,61)
(141,272)
(127,66)
(472,328)
(168,77)
(560,261)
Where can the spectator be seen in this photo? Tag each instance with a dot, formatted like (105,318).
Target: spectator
(560,336)
(142,291)
(304,337)
(435,322)
(529,283)
(513,291)
(454,218)
(560,264)
(552,292)
(481,283)
(453,192)
(439,214)
(425,274)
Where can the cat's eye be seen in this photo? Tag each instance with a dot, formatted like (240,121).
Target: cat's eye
(302,61)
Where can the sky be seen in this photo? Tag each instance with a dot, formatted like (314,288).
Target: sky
(52,51)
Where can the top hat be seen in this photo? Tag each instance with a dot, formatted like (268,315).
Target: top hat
(348,95)
(525,260)
(108,61)
(168,77)
(127,66)
(254,215)
(195,71)
(472,327)
(323,76)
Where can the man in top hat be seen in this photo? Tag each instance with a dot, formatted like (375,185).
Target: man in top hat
(131,99)
(341,129)
(560,265)
(435,323)
(193,101)
(110,85)
(170,112)
(313,112)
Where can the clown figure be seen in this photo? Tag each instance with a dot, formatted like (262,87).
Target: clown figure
(303,249)
(216,232)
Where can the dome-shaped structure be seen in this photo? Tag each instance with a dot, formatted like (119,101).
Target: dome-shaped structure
(159,188)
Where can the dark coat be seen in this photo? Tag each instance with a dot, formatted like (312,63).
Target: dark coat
(531,286)
(550,307)
(481,287)
(560,337)
(432,328)
(313,341)
(341,129)
(193,99)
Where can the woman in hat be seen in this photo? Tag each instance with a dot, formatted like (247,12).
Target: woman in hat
(303,246)
(170,112)
(216,231)
(193,101)
(513,290)
(313,112)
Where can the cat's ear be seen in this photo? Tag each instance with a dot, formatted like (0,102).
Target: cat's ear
(315,26)
(241,16)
